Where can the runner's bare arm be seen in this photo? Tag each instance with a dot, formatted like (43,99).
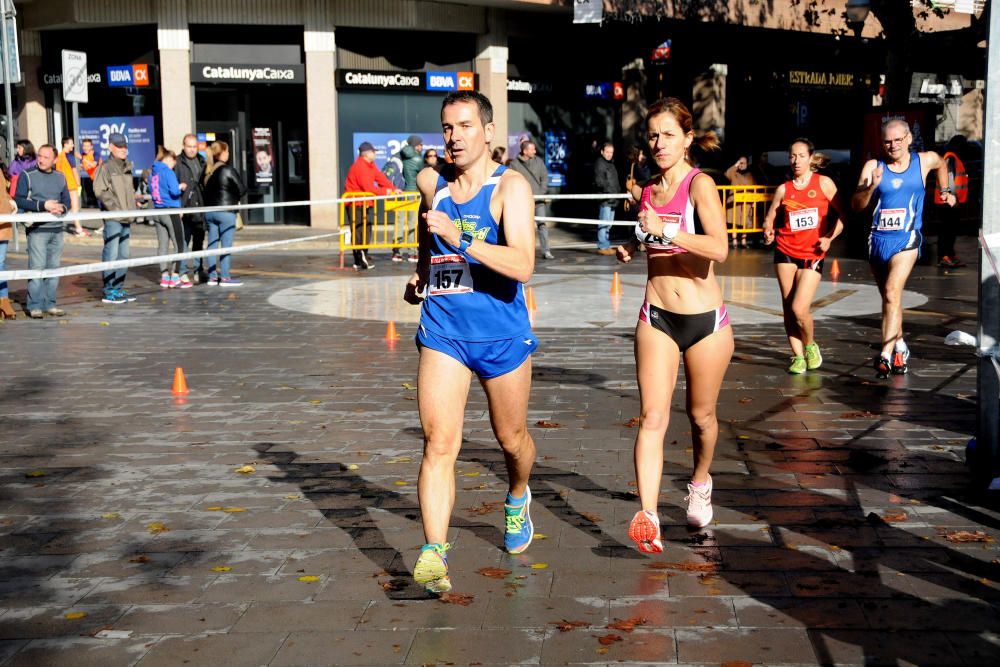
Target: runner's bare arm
(871,176)
(713,244)
(426,180)
(832,231)
(772,213)
(514,207)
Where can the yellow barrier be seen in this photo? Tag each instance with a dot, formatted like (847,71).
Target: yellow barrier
(381,223)
(745,206)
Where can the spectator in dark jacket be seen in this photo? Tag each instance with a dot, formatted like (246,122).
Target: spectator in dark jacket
(42,189)
(114,188)
(223,187)
(532,167)
(190,169)
(413,162)
(606,181)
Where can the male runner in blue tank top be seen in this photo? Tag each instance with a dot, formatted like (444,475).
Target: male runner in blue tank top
(477,247)
(896,185)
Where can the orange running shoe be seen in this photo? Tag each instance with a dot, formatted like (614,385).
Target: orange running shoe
(645,532)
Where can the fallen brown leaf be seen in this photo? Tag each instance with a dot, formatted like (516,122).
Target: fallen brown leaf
(484,508)
(965,536)
(493,572)
(628,624)
(895,517)
(746,399)
(139,559)
(685,566)
(566,626)
(541,423)
(455,598)
(593,518)
(737,663)
(608,640)
(632,423)
(857,414)
(394,585)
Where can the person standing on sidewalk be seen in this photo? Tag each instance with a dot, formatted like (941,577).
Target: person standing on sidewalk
(803,239)
(477,248)
(532,167)
(683,226)
(412,157)
(166,193)
(606,181)
(7,205)
(113,187)
(364,176)
(42,189)
(223,187)
(190,169)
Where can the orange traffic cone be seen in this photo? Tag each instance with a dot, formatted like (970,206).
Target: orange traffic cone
(529,299)
(180,387)
(835,270)
(390,331)
(616,286)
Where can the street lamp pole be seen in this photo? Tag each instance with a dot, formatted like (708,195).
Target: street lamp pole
(7,7)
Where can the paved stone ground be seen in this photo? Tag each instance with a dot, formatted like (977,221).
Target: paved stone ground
(122,509)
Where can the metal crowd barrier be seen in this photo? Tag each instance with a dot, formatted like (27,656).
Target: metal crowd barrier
(745,206)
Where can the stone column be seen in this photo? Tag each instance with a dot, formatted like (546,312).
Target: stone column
(321,113)
(31,122)
(177,117)
(491,66)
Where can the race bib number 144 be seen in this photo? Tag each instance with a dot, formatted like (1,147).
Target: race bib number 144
(891,219)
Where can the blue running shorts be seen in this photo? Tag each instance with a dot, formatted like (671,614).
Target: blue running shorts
(883,247)
(487,359)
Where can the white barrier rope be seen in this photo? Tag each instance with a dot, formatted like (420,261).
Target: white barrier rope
(623,195)
(31,274)
(36,218)
(587,221)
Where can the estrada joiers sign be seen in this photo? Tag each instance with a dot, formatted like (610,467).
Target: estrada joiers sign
(220,73)
(351,79)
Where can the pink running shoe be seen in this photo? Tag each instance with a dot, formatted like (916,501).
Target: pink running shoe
(645,532)
(699,500)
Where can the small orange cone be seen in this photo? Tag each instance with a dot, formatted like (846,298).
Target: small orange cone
(835,270)
(529,299)
(616,286)
(180,387)
(390,331)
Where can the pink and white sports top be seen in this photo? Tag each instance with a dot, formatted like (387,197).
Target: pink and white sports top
(677,210)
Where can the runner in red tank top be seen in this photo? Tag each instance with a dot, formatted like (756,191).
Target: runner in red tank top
(803,240)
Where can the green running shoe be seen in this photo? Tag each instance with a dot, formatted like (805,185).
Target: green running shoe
(431,569)
(813,357)
(798,366)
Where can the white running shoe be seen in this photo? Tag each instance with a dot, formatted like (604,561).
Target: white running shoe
(699,500)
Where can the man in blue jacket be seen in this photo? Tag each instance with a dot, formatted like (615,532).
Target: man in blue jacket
(42,189)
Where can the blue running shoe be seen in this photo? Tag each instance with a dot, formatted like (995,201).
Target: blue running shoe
(431,569)
(519,529)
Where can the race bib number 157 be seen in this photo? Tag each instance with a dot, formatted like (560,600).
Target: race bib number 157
(449,275)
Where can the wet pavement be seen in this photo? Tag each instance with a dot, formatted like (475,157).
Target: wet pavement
(270,518)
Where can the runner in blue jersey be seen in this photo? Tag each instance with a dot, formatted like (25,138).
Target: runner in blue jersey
(477,248)
(896,185)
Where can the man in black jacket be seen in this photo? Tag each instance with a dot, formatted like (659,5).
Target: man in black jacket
(189,169)
(606,181)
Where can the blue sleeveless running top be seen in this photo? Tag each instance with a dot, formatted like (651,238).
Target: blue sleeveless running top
(466,300)
(900,206)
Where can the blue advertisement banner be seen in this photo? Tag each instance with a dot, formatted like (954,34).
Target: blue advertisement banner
(556,153)
(139,130)
(388,143)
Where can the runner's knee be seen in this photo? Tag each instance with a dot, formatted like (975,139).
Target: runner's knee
(655,420)
(702,419)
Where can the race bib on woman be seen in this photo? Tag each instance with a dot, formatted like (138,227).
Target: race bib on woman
(799,221)
(672,222)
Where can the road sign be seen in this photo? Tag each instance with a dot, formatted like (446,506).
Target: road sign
(74,76)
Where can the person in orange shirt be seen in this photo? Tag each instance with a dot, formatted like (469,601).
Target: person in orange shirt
(88,165)
(66,165)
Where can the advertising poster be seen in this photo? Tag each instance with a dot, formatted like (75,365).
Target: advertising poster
(388,144)
(263,155)
(139,130)
(556,154)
